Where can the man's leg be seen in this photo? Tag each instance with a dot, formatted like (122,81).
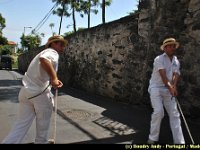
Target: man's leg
(26,116)
(43,107)
(174,118)
(157,115)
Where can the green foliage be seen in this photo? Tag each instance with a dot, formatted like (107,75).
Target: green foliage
(3,40)
(133,12)
(68,33)
(81,29)
(68,8)
(84,7)
(88,6)
(31,41)
(42,35)
(59,11)
(6,49)
(14,60)
(108,2)
(68,4)
(72,32)
(19,50)
(2,24)
(15,65)
(52,25)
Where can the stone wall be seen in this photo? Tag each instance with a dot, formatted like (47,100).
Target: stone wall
(179,19)
(115,60)
(107,60)
(25,59)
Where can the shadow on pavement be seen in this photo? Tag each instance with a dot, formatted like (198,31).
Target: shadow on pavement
(9,90)
(135,117)
(94,140)
(10,83)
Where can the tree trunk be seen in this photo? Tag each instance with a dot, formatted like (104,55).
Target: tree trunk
(74,19)
(103,11)
(60,21)
(89,12)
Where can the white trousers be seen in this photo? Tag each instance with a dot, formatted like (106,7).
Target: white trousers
(40,107)
(159,98)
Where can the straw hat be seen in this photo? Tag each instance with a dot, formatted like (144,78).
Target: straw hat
(169,41)
(56,38)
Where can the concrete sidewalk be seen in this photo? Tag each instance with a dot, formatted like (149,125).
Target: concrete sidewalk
(95,119)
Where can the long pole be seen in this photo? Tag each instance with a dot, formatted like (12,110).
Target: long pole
(53,140)
(55,114)
(179,106)
(25,29)
(24,36)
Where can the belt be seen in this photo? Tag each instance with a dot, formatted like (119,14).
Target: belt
(40,93)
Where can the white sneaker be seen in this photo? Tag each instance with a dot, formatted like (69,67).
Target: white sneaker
(151,142)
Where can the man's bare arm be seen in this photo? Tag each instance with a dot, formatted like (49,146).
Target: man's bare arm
(48,67)
(176,78)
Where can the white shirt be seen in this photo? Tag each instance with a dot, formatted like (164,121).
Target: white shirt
(36,78)
(170,67)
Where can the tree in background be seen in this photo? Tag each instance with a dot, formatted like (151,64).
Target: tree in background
(66,11)
(52,25)
(133,12)
(75,5)
(104,4)
(19,51)
(2,24)
(87,7)
(68,33)
(63,10)
(3,40)
(42,35)
(30,42)
(72,32)
(6,49)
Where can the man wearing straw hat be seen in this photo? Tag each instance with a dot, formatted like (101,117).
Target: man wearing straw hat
(35,97)
(163,86)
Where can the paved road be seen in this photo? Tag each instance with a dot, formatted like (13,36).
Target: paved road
(85,118)
(10,84)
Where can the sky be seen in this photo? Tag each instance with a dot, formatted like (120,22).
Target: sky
(28,13)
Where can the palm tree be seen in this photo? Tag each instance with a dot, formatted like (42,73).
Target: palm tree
(2,24)
(87,7)
(73,5)
(89,12)
(62,11)
(51,25)
(42,35)
(65,11)
(103,5)
(103,11)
